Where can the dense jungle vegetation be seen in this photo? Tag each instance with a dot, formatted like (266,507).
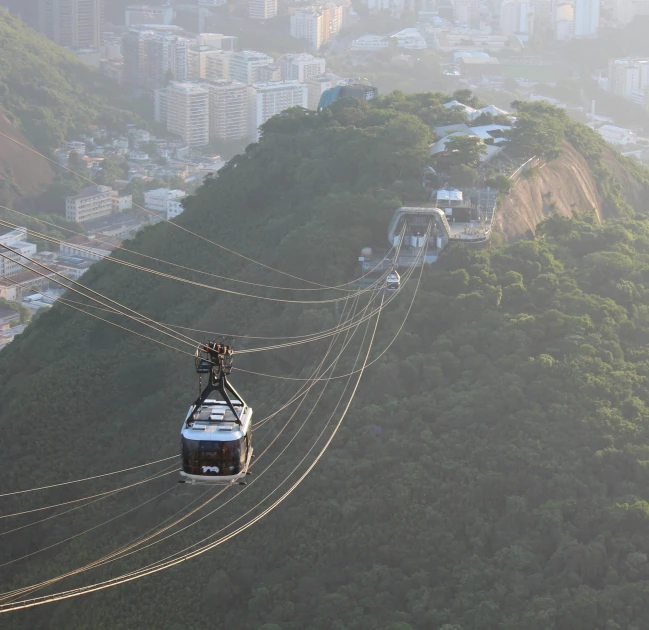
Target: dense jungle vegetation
(492,471)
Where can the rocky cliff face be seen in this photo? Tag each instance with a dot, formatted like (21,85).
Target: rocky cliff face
(560,187)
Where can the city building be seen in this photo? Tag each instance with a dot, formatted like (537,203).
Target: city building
(468,40)
(369,43)
(262,9)
(164,200)
(317,86)
(217,40)
(466,11)
(188,112)
(244,64)
(197,57)
(266,74)
(269,99)
(349,90)
(586,18)
(629,77)
(121,202)
(564,22)
(300,66)
(145,14)
(617,135)
(91,203)
(71,23)
(88,248)
(160,105)
(316,24)
(517,17)
(410,39)
(217,65)
(228,110)
(152,56)
(17,240)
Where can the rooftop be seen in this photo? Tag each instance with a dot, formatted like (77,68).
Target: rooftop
(90,191)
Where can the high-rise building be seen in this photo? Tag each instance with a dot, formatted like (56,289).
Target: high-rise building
(317,24)
(198,59)
(262,9)
(137,14)
(517,17)
(466,11)
(228,110)
(628,77)
(269,99)
(317,86)
(160,105)
(153,56)
(188,112)
(244,64)
(217,66)
(300,66)
(71,23)
(586,18)
(564,22)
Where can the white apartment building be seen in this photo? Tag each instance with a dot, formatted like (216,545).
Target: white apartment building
(228,110)
(244,64)
(629,76)
(165,200)
(564,22)
(188,112)
(145,14)
(91,203)
(16,240)
(517,17)
(269,99)
(586,18)
(262,9)
(316,24)
(217,65)
(316,86)
(300,66)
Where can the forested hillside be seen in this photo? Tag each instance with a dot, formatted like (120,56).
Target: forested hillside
(491,472)
(47,93)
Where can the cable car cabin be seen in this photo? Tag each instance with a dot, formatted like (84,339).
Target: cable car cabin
(393,281)
(216,447)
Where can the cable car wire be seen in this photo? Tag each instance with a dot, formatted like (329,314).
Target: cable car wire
(115,555)
(200,271)
(153,569)
(172,277)
(177,225)
(67,483)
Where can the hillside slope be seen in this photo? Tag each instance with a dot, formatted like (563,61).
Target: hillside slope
(47,93)
(24,173)
(491,472)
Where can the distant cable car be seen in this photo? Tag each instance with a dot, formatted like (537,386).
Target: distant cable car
(216,437)
(393,281)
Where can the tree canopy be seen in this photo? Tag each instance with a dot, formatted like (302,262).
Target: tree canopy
(491,472)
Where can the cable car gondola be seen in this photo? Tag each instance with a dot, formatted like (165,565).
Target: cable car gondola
(216,437)
(393,281)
